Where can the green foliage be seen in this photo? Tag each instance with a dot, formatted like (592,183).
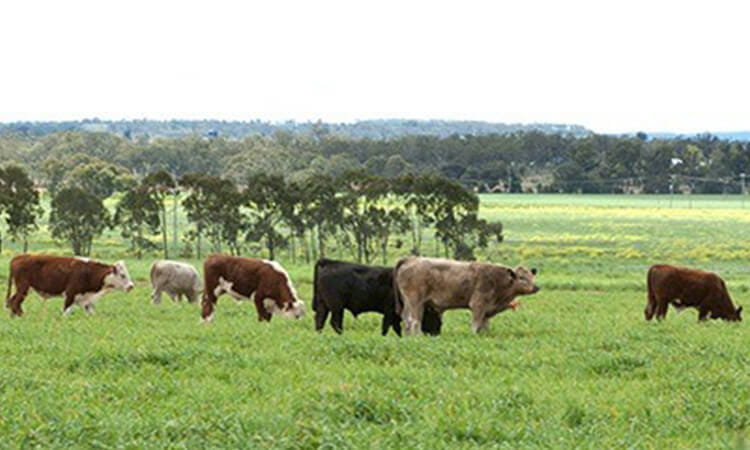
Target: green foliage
(136,213)
(213,206)
(19,203)
(529,160)
(271,202)
(77,217)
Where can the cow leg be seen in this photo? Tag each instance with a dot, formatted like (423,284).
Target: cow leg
(661,308)
(702,314)
(412,317)
(14,302)
(69,302)
(386,324)
(337,320)
(156,297)
(263,315)
(396,323)
(174,297)
(650,306)
(321,315)
(479,320)
(192,297)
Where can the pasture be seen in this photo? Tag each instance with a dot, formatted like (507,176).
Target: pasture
(575,366)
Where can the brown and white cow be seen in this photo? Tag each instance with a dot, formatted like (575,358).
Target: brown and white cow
(486,289)
(242,277)
(683,287)
(79,280)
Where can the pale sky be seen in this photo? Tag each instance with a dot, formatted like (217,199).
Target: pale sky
(611,66)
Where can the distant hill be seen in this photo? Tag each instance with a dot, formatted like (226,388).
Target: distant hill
(374,129)
(724,135)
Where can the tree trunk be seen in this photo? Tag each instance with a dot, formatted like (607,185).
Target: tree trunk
(384,249)
(138,242)
(305,242)
(164,227)
(174,219)
(321,244)
(270,244)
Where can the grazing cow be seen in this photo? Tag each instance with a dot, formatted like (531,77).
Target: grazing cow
(683,287)
(242,277)
(177,279)
(340,285)
(486,289)
(80,280)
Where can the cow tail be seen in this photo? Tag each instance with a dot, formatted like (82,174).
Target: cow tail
(651,302)
(396,291)
(152,273)
(10,286)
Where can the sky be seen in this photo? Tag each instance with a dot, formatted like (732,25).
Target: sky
(611,66)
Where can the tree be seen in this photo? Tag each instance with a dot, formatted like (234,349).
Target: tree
(213,205)
(365,216)
(160,184)
(269,200)
(138,210)
(20,201)
(99,178)
(321,208)
(77,217)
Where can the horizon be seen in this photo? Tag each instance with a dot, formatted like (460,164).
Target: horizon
(350,122)
(656,68)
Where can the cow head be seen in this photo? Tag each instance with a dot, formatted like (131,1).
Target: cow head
(291,310)
(119,278)
(736,315)
(286,302)
(523,279)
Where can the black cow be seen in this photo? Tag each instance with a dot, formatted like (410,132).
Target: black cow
(340,285)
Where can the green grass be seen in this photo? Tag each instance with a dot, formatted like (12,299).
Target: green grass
(575,366)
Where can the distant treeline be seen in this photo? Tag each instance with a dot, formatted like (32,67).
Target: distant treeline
(529,161)
(371,129)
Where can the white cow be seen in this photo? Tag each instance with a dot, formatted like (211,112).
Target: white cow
(176,279)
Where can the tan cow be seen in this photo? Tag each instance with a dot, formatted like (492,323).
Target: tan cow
(486,289)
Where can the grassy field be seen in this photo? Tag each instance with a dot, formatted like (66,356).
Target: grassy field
(575,366)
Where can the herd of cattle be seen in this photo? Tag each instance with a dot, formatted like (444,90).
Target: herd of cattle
(415,292)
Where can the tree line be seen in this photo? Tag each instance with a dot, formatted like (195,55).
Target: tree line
(364,213)
(235,129)
(529,161)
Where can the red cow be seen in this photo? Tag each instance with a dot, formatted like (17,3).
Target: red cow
(80,280)
(242,277)
(682,287)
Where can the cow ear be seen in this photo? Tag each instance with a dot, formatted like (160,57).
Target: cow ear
(533,271)
(512,273)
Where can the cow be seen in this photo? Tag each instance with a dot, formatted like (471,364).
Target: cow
(79,280)
(175,278)
(486,289)
(241,278)
(340,285)
(683,287)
